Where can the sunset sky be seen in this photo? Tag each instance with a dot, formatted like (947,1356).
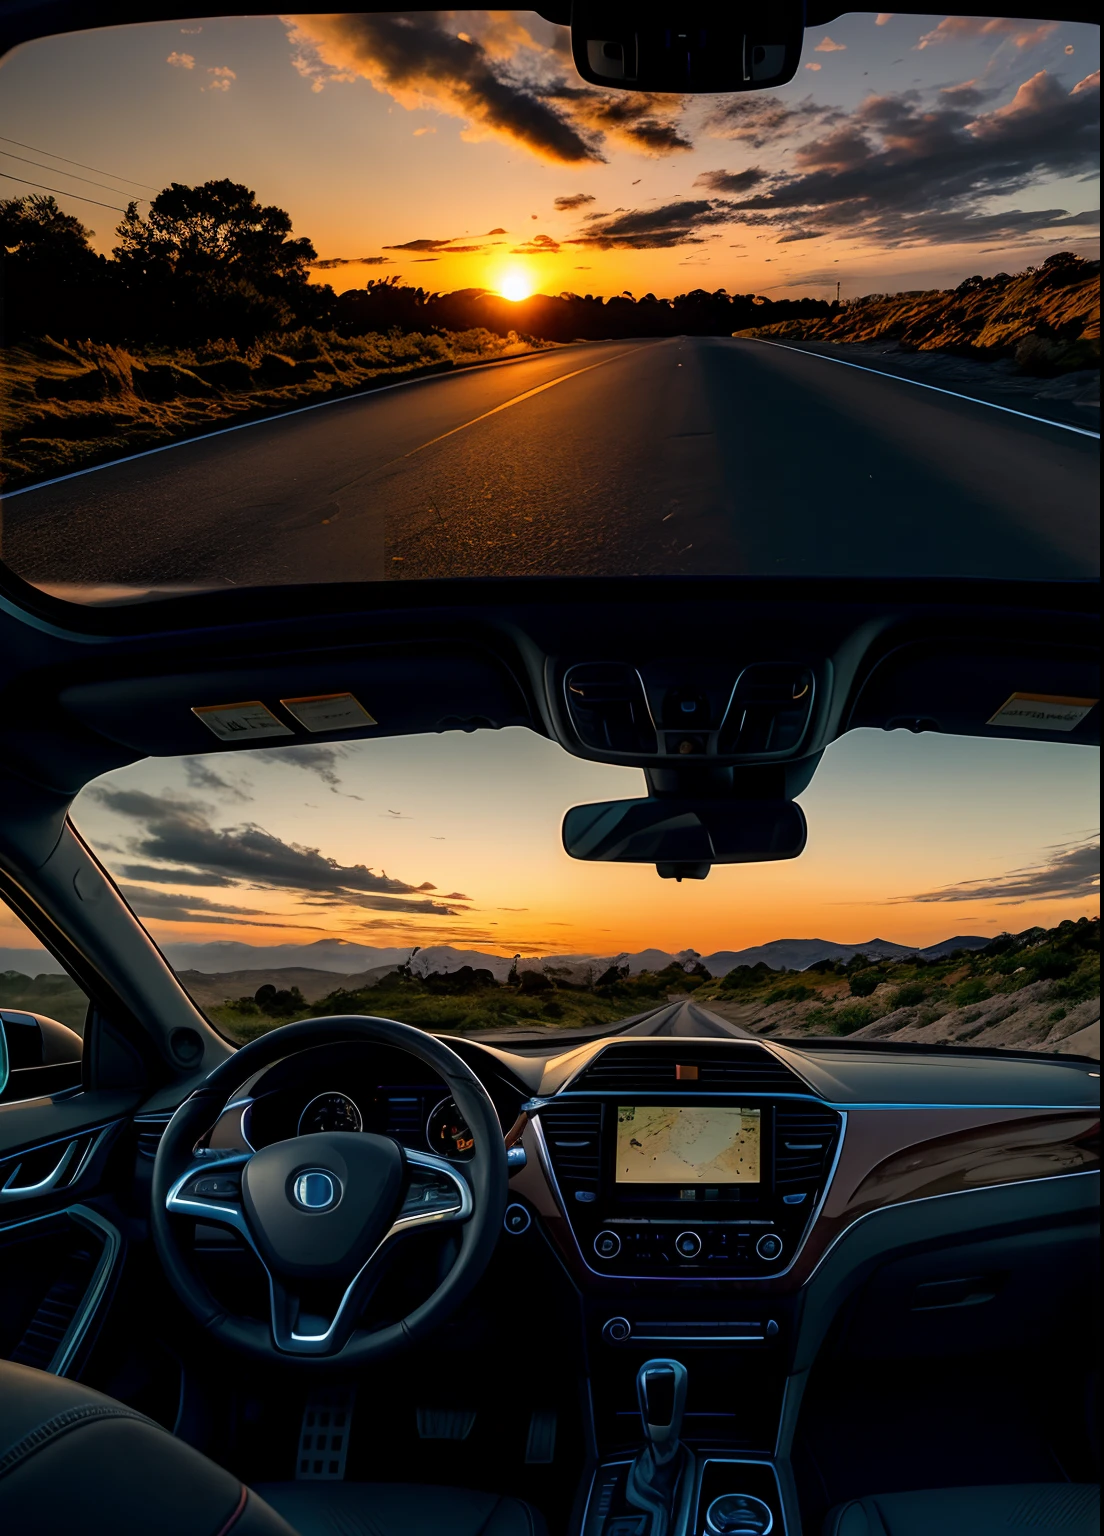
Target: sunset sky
(456,149)
(455,839)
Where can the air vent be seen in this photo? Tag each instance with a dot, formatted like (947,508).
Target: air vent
(150,1129)
(735,1068)
(572,1132)
(804,1140)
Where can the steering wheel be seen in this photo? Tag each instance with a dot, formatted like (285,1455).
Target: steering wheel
(323,1212)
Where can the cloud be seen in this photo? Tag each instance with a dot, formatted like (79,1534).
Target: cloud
(566,204)
(446,247)
(170,906)
(646,123)
(1070,872)
(200,775)
(330,262)
(222,78)
(154,875)
(734,183)
(762,120)
(494,232)
(321,761)
(801,234)
(540,245)
(650,229)
(814,67)
(178,831)
(901,170)
(883,17)
(826,45)
(420,62)
(181,60)
(966,28)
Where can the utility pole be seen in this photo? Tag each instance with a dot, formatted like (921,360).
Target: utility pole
(837,290)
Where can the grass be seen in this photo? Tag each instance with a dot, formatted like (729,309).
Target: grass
(1047,319)
(66,405)
(55,996)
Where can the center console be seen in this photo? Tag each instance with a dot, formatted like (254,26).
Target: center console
(688,1185)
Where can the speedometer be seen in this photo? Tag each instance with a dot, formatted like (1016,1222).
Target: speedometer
(330,1112)
(447,1132)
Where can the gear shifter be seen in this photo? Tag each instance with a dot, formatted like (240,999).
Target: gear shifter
(658,1480)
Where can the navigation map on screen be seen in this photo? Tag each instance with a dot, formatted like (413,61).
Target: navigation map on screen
(658,1144)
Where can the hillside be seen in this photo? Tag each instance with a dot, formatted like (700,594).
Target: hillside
(1046,320)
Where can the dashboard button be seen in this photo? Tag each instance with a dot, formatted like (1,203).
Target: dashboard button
(517,1219)
(688,1245)
(607,1245)
(617,1330)
(769,1246)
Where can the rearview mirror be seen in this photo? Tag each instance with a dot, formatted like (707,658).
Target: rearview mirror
(696,48)
(684,837)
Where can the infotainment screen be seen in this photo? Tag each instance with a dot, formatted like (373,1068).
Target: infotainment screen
(659,1144)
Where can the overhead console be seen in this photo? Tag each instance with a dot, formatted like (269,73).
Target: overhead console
(759,711)
(685,1162)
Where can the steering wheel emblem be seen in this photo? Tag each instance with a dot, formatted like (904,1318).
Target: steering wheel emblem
(315,1190)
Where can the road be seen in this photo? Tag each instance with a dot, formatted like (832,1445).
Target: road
(684,1019)
(686,455)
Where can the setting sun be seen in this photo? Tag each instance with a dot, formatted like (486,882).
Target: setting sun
(516,286)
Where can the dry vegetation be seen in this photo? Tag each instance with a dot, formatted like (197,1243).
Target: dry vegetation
(1046,320)
(68,405)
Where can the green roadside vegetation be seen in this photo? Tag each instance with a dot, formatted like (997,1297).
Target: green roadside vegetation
(55,996)
(830,998)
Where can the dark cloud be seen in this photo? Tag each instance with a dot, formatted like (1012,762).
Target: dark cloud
(540,245)
(902,171)
(570,203)
(155,876)
(179,832)
(320,761)
(642,122)
(200,775)
(171,906)
(330,262)
(648,229)
(761,120)
(1069,873)
(419,60)
(494,232)
(734,183)
(801,234)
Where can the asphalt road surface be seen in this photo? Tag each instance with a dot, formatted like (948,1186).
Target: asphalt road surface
(686,1020)
(688,455)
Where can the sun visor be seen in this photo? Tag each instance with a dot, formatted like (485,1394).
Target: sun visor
(1043,694)
(383,692)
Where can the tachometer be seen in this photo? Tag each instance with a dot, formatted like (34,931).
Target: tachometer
(447,1132)
(330,1112)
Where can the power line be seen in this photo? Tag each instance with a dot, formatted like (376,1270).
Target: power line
(71,174)
(97,168)
(9,177)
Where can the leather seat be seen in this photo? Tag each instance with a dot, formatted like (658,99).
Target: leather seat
(1041,1509)
(72,1459)
(398,1509)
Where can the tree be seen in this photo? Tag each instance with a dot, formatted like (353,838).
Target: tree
(48,270)
(211,260)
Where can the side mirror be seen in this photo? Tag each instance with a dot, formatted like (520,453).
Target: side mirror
(37,1055)
(683,838)
(688,48)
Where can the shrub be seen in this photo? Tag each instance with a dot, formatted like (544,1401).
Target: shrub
(1082,985)
(534,981)
(1050,964)
(852,1016)
(863,983)
(909,995)
(975,990)
(794,994)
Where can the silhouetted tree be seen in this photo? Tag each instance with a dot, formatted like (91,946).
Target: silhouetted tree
(48,270)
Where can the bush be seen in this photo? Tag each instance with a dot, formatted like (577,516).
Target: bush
(1081,986)
(1050,964)
(909,995)
(863,983)
(794,994)
(975,990)
(852,1016)
(534,981)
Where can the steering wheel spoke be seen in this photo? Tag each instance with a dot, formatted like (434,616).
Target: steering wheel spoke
(436,1191)
(211,1191)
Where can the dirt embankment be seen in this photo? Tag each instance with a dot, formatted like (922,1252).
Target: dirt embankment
(64,406)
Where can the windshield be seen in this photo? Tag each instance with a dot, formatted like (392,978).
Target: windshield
(378,297)
(948,894)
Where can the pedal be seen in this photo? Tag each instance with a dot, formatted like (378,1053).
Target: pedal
(445,1423)
(541,1445)
(324,1435)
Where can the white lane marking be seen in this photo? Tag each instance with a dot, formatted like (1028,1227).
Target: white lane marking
(263,421)
(884,373)
(506,404)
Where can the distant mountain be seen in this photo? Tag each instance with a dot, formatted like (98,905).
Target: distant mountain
(324,955)
(799,954)
(29,962)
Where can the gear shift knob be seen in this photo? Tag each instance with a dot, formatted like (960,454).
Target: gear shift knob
(661,1393)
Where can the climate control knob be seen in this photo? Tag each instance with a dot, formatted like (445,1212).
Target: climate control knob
(607,1245)
(688,1245)
(769,1246)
